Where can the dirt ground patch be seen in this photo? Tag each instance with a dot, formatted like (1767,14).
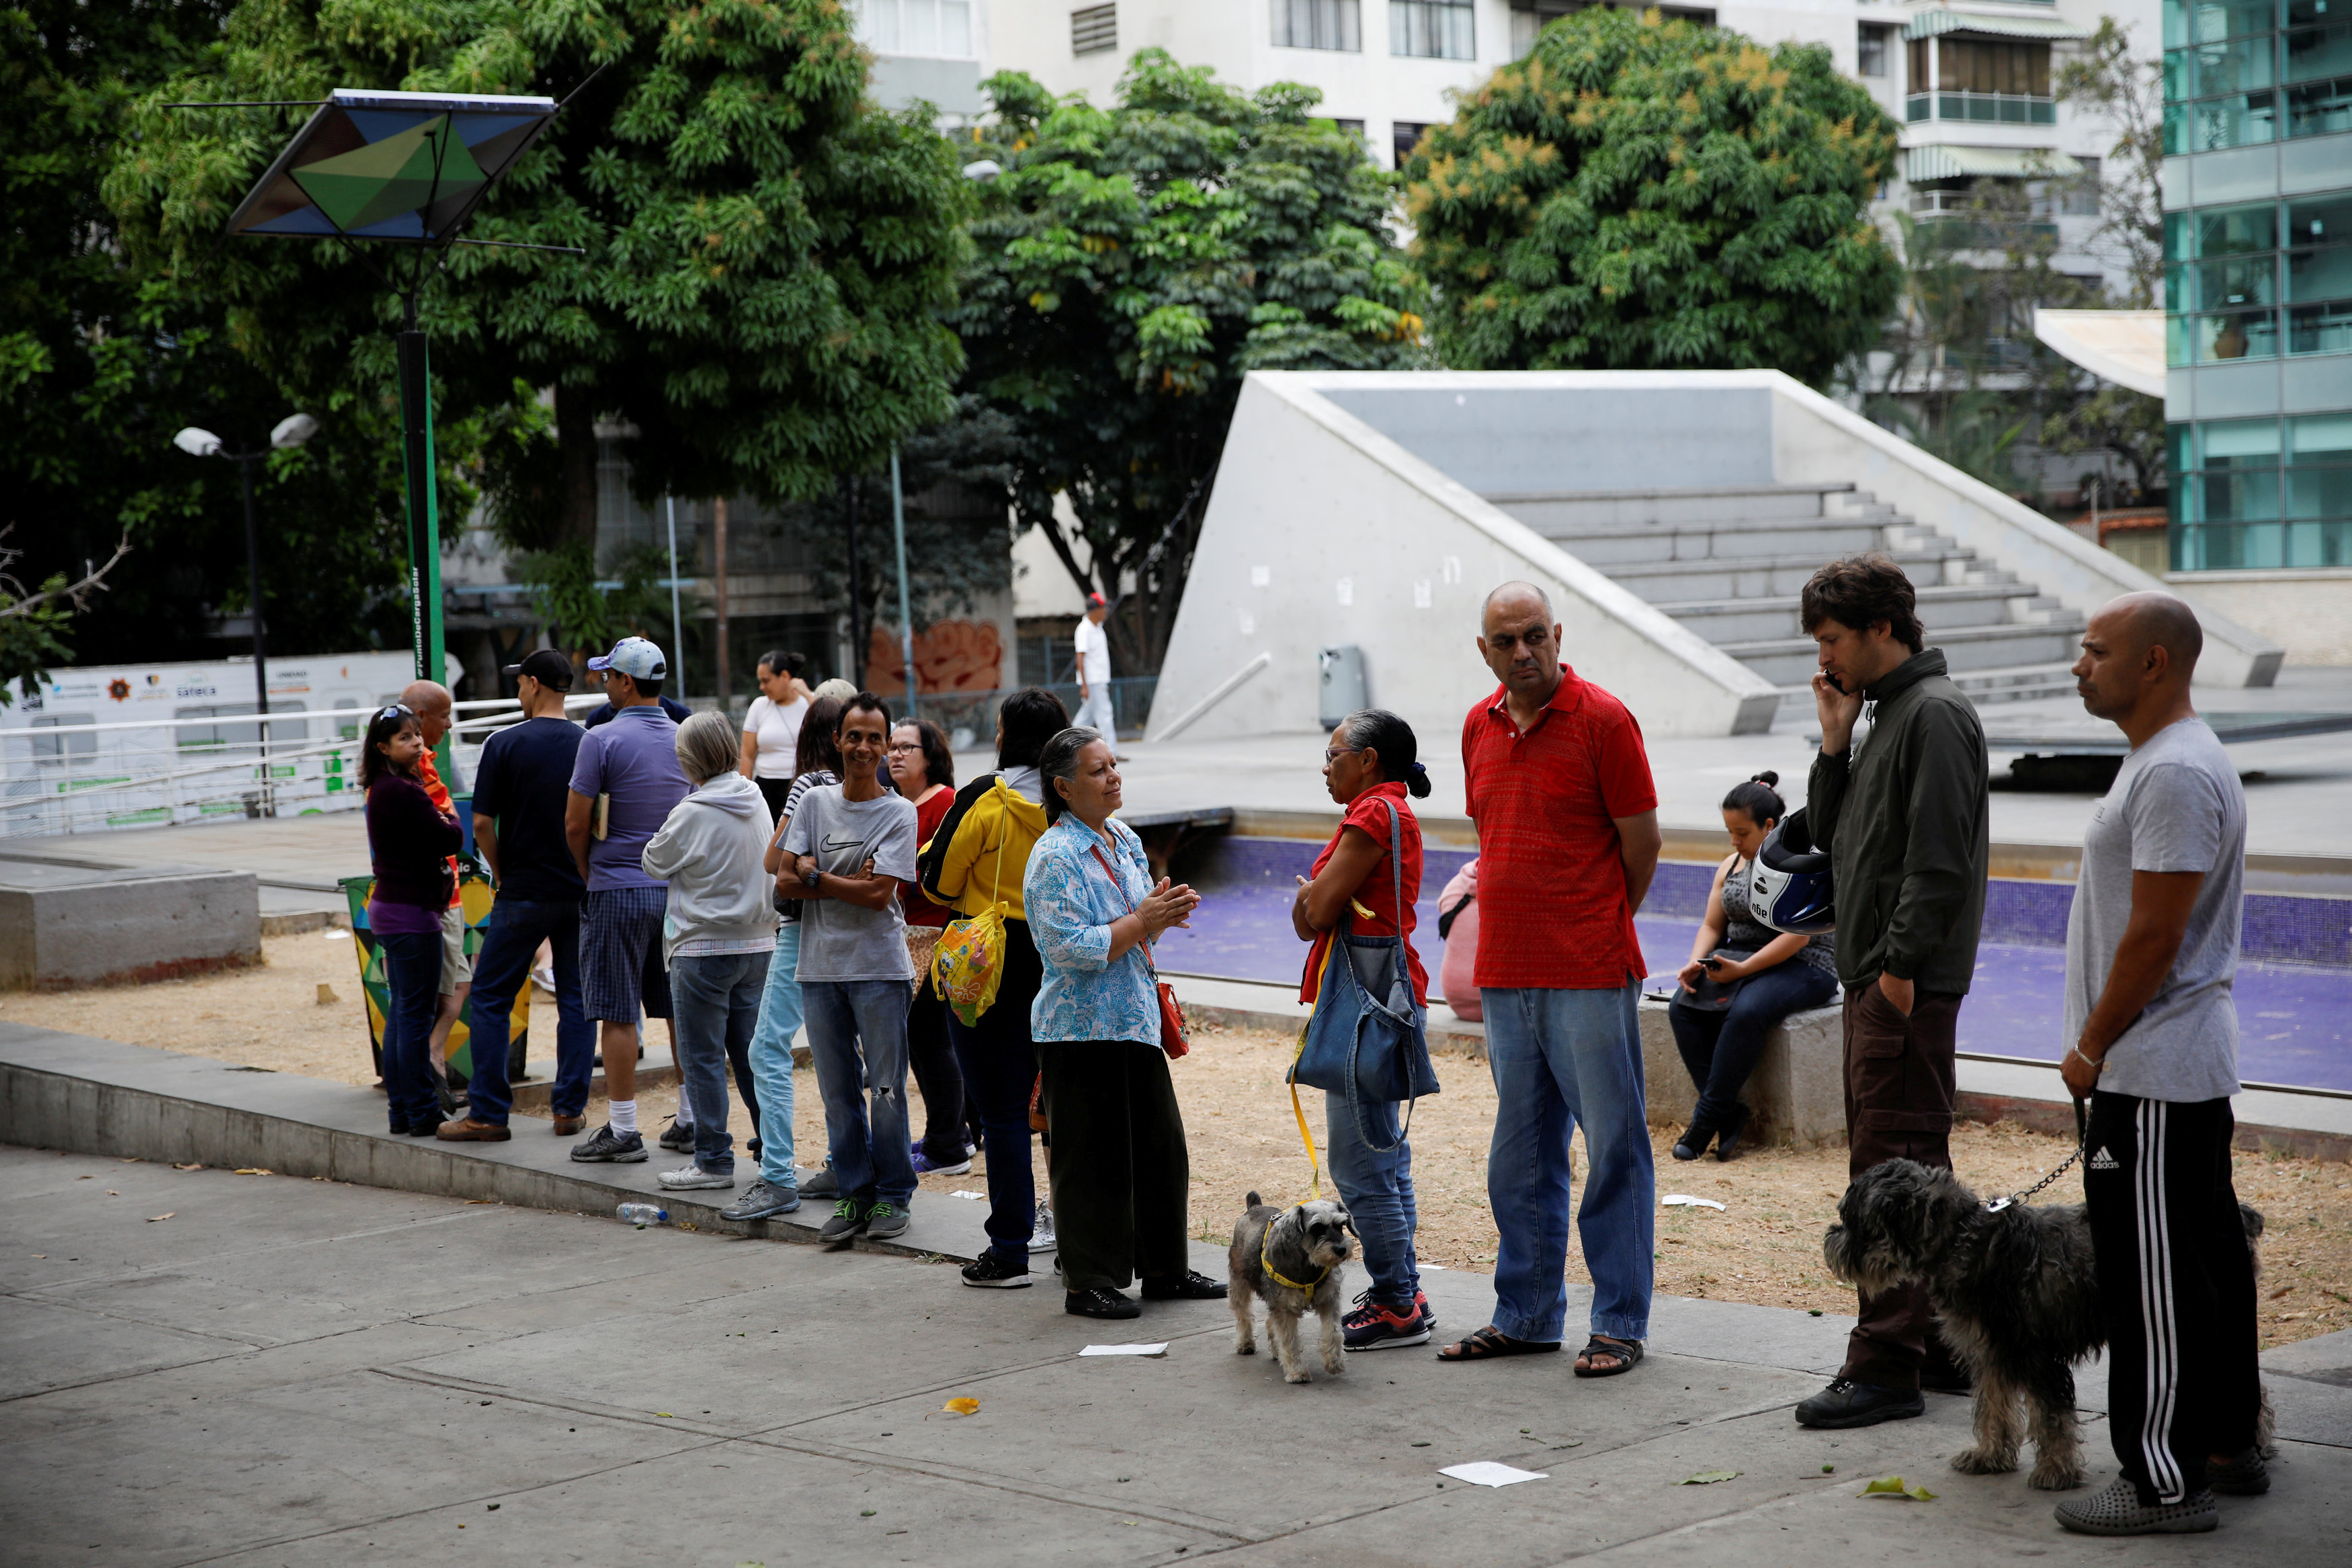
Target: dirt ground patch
(1764,1246)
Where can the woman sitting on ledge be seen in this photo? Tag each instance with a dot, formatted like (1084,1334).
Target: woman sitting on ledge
(1770,975)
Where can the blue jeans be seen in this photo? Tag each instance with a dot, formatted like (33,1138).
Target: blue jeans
(1720,1049)
(771,1057)
(714,997)
(517,928)
(857,1035)
(412,978)
(1563,1059)
(1377,1188)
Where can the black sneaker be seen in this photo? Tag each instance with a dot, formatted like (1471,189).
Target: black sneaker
(2245,1475)
(1189,1286)
(1383,1325)
(847,1222)
(1845,1403)
(1100,1302)
(821,1183)
(678,1136)
(992,1271)
(884,1221)
(606,1147)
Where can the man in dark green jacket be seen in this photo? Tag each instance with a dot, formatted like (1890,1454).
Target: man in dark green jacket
(1902,810)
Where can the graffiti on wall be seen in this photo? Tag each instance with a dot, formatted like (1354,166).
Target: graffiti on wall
(949,656)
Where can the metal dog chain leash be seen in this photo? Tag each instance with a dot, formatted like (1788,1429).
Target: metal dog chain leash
(2081,1137)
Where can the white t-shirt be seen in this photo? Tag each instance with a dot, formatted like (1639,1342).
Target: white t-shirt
(779,730)
(2176,806)
(1093,652)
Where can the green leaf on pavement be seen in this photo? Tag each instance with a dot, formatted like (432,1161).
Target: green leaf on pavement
(1706,1478)
(1894,1486)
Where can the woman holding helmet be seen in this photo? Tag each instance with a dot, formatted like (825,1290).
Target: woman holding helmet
(1746,974)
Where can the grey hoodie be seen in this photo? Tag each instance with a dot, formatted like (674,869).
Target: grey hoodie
(711,851)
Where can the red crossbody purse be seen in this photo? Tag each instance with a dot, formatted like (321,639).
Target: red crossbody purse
(1171,1016)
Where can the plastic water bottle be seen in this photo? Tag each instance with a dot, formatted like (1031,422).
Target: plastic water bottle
(641,1213)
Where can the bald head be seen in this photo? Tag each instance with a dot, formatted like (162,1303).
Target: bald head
(1520,642)
(1516,601)
(429,701)
(2152,620)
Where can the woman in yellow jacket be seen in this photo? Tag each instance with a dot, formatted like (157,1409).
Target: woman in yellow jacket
(973,863)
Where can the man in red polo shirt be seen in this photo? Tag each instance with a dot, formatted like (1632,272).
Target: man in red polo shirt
(1568,838)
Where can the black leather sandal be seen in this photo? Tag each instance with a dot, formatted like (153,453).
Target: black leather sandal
(1626,1352)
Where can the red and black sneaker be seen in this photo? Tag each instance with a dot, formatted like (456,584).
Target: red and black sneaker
(1384,1325)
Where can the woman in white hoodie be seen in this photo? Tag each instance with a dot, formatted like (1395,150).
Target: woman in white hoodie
(720,931)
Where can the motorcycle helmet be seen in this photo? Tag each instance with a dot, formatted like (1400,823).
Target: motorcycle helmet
(1788,882)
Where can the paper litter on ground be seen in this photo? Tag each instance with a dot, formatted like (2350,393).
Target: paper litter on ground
(966,1192)
(1673,1200)
(1159,1349)
(1488,1473)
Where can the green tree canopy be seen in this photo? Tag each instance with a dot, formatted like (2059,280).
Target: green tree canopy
(767,253)
(1136,261)
(1640,193)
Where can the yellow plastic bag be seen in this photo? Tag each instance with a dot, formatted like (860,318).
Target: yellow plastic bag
(969,963)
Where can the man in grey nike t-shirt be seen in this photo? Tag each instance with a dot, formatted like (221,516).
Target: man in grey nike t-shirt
(2152,1043)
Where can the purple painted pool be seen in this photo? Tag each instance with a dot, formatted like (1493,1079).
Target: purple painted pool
(2294,991)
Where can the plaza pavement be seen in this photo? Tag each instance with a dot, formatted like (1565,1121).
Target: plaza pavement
(200,1367)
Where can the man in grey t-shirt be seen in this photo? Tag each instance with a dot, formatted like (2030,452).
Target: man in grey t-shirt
(2152,1032)
(849,847)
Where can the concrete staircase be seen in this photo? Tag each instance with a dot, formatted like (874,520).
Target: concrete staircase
(1728,562)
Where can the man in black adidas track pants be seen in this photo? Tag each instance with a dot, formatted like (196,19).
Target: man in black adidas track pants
(2152,1032)
(2177,1285)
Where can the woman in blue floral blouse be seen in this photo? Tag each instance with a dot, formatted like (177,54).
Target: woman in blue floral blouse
(1116,1161)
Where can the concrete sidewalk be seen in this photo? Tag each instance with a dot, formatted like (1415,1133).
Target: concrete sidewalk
(208,1368)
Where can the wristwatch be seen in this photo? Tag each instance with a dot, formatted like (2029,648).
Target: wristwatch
(808,878)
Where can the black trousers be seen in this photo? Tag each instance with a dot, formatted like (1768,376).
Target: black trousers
(936,1077)
(1120,1177)
(2176,1281)
(1000,1068)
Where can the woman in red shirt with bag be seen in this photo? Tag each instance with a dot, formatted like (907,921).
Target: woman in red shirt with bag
(1370,767)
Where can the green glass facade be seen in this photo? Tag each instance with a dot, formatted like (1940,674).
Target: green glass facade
(2258,283)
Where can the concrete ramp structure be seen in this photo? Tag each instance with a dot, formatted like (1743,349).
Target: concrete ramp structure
(1672,516)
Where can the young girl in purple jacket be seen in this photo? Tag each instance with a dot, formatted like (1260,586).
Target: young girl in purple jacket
(410,841)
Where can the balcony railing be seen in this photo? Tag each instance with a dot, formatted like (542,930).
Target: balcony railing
(1986,108)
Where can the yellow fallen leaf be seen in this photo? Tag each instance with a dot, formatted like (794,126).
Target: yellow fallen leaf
(254,1170)
(665,1415)
(153,1217)
(961,1406)
(1895,1486)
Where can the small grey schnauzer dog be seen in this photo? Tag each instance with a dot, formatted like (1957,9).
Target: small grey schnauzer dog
(1290,1258)
(2016,1295)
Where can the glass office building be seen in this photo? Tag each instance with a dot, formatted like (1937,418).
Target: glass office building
(2258,295)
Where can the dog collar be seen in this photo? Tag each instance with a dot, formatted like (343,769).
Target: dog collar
(1266,1263)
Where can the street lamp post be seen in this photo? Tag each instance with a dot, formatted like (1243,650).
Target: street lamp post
(290,431)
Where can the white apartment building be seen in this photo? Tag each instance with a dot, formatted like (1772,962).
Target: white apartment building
(1968,80)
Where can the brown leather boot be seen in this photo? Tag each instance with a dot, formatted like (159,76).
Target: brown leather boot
(568,1126)
(468,1131)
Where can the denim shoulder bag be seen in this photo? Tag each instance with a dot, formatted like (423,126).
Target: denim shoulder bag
(1367,1039)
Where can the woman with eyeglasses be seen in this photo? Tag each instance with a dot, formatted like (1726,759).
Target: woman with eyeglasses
(922,769)
(410,841)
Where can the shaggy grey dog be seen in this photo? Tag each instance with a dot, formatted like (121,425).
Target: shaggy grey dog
(2016,1294)
(1290,1258)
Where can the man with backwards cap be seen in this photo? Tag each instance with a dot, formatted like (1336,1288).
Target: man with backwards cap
(1094,670)
(521,788)
(623,786)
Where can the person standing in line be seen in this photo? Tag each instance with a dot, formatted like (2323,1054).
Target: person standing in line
(606,711)
(410,841)
(851,845)
(1117,1160)
(718,932)
(1559,785)
(430,701)
(772,726)
(1371,765)
(521,788)
(974,862)
(1903,812)
(922,769)
(624,785)
(1093,641)
(1777,974)
(2152,1032)
(816,763)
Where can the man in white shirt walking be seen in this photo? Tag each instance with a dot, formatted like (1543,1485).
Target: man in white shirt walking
(2152,1038)
(1094,670)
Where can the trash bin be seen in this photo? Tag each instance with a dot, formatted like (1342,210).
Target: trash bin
(1342,687)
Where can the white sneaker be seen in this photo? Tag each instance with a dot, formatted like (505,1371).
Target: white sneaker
(1041,1238)
(687,1178)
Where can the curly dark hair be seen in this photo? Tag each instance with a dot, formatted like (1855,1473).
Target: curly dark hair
(1861,592)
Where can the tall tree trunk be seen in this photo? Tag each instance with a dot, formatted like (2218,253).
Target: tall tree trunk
(575,437)
(718,580)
